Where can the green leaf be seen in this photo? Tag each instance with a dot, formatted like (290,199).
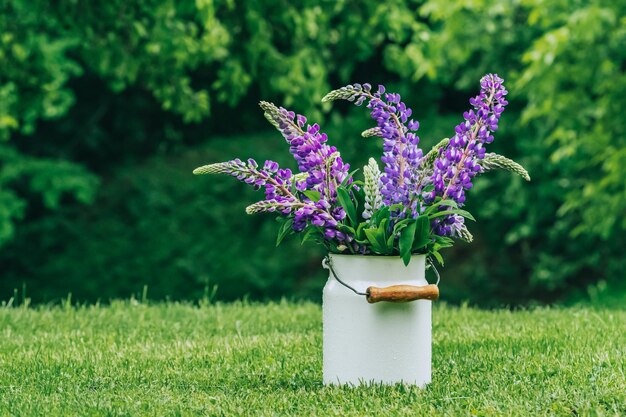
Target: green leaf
(421,237)
(359,199)
(443,242)
(389,242)
(382,233)
(460,212)
(406,242)
(377,238)
(284,230)
(401,225)
(311,235)
(345,181)
(313,195)
(377,241)
(360,231)
(396,207)
(466,214)
(332,246)
(346,202)
(346,229)
(380,214)
(438,256)
(437,204)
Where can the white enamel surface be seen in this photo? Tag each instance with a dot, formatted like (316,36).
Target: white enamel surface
(383,342)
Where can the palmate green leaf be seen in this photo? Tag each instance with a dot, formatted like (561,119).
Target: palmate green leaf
(285,229)
(437,256)
(378,238)
(312,234)
(382,232)
(405,243)
(346,229)
(348,205)
(460,212)
(437,243)
(401,225)
(443,241)
(360,236)
(422,233)
(350,175)
(396,207)
(332,246)
(379,215)
(390,241)
(359,201)
(437,204)
(378,242)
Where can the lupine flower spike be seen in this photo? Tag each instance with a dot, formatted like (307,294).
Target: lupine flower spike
(373,197)
(459,160)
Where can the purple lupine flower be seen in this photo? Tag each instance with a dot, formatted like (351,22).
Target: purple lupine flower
(458,161)
(322,163)
(278,197)
(274,205)
(275,181)
(401,154)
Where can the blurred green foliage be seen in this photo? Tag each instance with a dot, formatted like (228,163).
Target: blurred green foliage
(106,107)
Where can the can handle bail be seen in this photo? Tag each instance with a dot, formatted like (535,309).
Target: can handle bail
(402,293)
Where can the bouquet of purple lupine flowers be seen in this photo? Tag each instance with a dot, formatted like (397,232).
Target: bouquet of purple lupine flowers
(412,206)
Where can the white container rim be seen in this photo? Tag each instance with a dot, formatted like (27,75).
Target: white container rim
(378,270)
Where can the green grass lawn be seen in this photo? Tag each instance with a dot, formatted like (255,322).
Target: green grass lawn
(132,359)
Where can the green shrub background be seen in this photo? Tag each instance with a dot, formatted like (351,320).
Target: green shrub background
(106,107)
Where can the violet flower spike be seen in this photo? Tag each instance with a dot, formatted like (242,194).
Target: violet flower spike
(321,162)
(275,181)
(401,154)
(278,197)
(459,160)
(323,167)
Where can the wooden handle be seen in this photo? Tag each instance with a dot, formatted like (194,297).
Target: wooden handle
(402,293)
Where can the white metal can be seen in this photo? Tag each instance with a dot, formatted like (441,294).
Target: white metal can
(381,343)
